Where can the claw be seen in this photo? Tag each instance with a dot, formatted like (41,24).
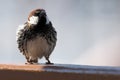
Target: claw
(49,63)
(28,63)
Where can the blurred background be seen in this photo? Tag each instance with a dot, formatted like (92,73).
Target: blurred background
(88,30)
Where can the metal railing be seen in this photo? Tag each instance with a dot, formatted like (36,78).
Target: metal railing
(58,72)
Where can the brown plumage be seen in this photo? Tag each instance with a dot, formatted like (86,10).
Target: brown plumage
(37,37)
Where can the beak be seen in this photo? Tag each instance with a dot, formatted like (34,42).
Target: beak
(42,13)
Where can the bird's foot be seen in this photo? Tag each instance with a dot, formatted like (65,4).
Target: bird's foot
(32,62)
(49,63)
(28,63)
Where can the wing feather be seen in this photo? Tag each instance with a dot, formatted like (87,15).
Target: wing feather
(20,37)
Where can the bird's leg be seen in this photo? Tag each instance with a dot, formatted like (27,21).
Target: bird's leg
(47,58)
(28,60)
(31,61)
(35,61)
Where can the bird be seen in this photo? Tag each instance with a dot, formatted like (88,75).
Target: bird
(37,37)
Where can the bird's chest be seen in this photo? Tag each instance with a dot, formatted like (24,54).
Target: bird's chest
(37,46)
(31,34)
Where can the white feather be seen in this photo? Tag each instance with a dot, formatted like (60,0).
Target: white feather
(18,32)
(33,20)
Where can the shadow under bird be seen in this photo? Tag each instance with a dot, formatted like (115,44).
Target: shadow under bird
(37,37)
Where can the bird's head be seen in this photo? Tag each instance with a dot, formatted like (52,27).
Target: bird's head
(38,16)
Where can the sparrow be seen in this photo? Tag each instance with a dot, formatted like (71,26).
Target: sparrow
(36,38)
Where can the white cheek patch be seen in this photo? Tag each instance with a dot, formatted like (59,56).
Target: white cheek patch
(33,20)
(47,20)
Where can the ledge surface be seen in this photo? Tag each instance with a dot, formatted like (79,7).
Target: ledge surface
(58,72)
